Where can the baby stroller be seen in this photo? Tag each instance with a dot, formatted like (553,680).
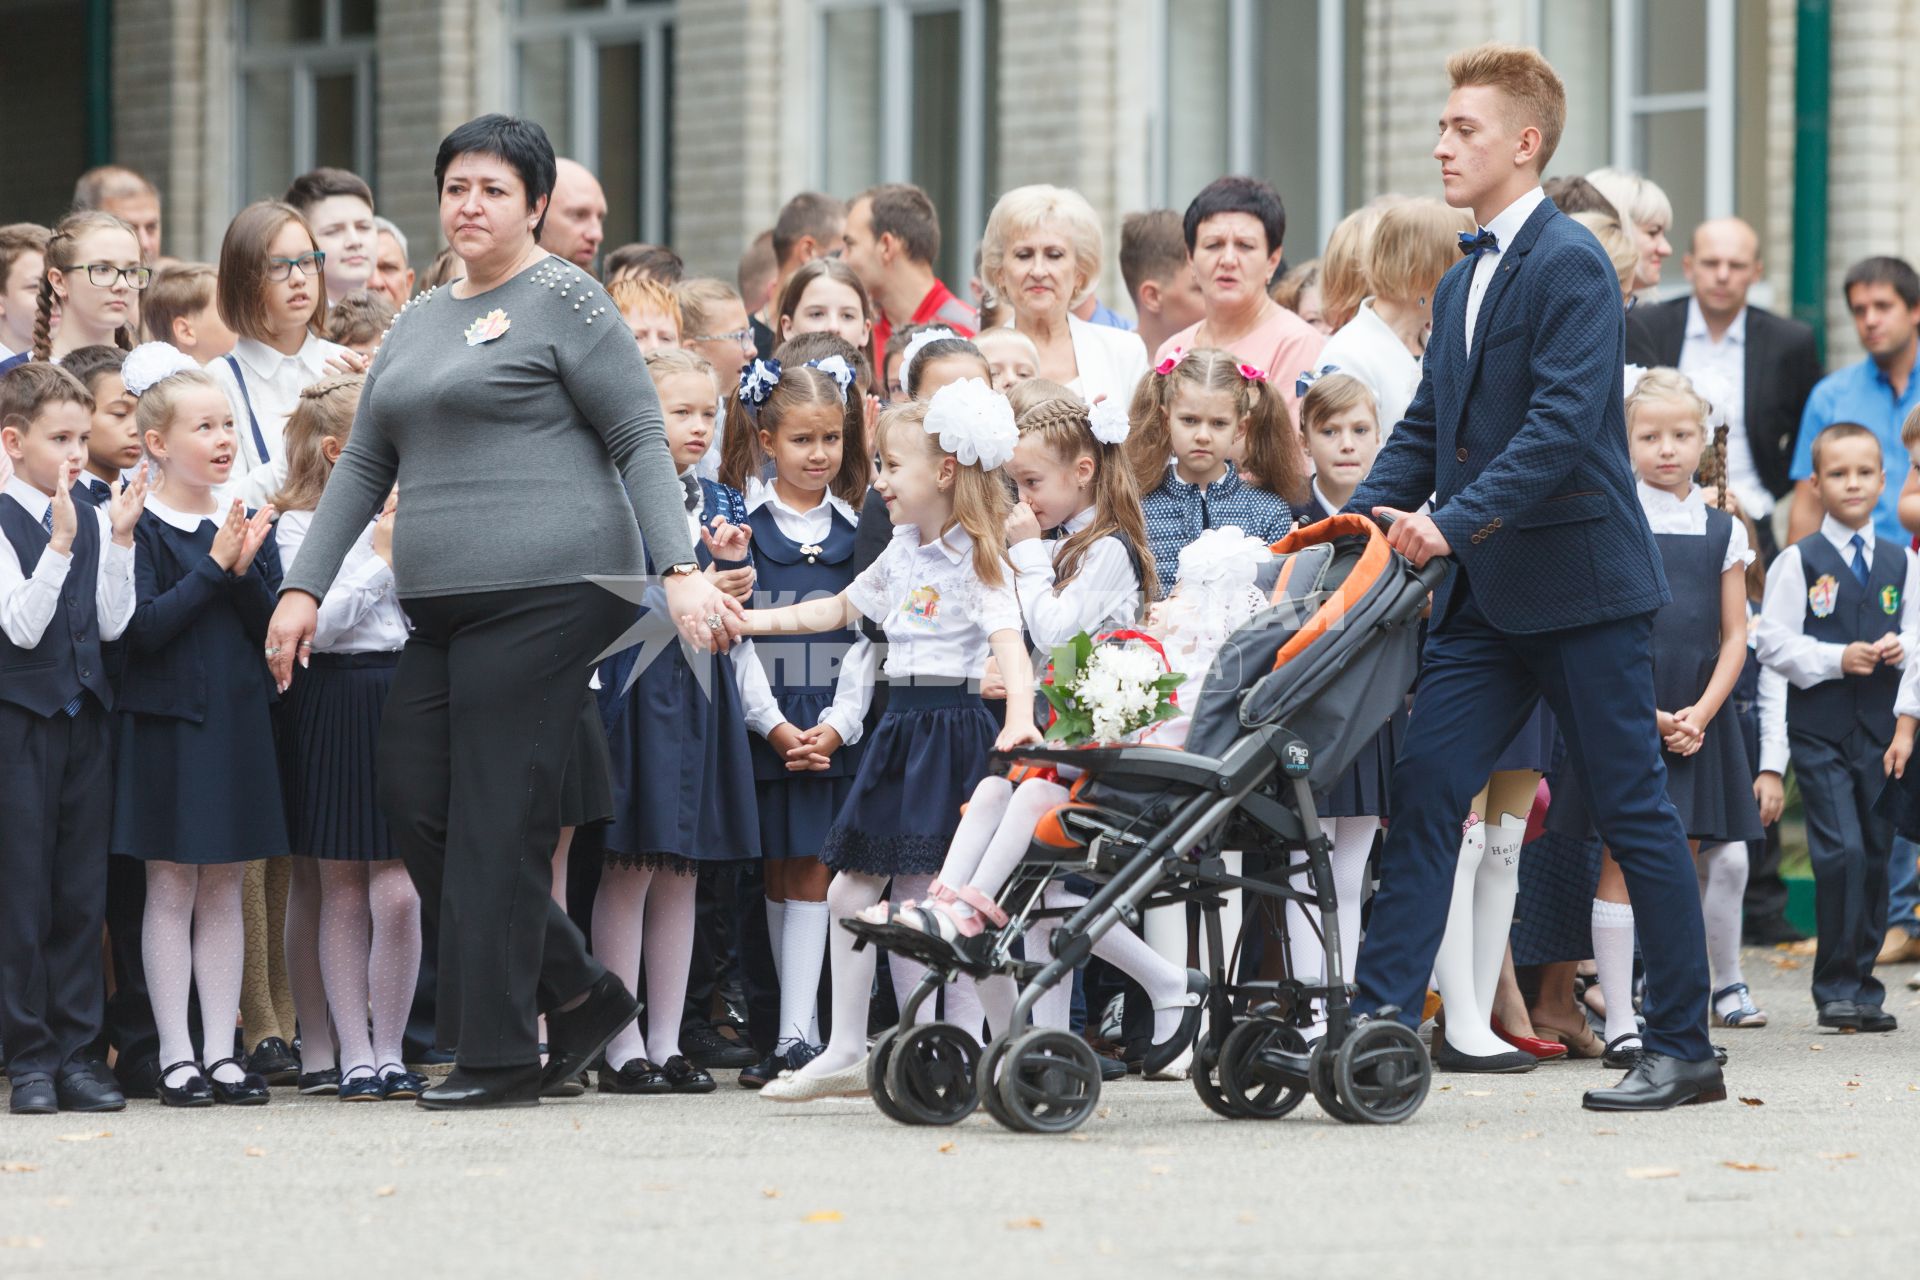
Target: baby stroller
(1290,699)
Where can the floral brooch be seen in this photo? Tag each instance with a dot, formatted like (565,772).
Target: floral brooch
(488,327)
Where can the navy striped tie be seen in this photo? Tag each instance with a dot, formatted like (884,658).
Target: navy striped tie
(46,522)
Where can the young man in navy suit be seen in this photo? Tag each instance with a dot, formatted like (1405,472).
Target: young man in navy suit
(1518,433)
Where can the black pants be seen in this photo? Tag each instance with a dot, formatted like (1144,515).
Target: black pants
(54,824)
(473,745)
(1851,847)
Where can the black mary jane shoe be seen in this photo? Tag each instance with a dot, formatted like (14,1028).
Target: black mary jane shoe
(250,1090)
(319,1083)
(575,1035)
(482,1088)
(85,1089)
(1875,1019)
(685,1077)
(34,1096)
(371,1087)
(1660,1083)
(402,1085)
(193,1091)
(274,1061)
(1623,1051)
(637,1076)
(1164,1054)
(1448,1058)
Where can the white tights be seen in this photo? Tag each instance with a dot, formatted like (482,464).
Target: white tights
(369,958)
(1352,841)
(192,935)
(636,908)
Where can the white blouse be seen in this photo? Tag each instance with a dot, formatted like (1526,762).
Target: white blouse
(362,612)
(1688,516)
(937,615)
(1368,348)
(1103,595)
(273,386)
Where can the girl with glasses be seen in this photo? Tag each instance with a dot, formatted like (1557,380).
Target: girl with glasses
(93,273)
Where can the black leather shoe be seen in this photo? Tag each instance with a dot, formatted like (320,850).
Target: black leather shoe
(706,1047)
(636,1075)
(192,1090)
(402,1084)
(316,1083)
(685,1077)
(1659,1083)
(82,1089)
(1448,1058)
(34,1096)
(138,1078)
(274,1061)
(250,1090)
(1164,1054)
(576,1035)
(1111,1068)
(1873,1018)
(1840,1015)
(368,1088)
(480,1088)
(791,1055)
(572,1087)
(1623,1051)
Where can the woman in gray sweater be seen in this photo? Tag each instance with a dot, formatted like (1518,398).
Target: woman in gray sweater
(515,414)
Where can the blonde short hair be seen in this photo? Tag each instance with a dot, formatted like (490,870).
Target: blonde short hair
(1414,244)
(1527,78)
(1344,278)
(1639,201)
(1622,249)
(1024,209)
(699,300)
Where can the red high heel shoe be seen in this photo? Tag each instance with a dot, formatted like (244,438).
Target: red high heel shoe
(1544,1050)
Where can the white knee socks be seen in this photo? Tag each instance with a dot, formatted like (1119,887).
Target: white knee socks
(803,949)
(776,932)
(1723,886)
(1494,894)
(1469,1023)
(1613,957)
(1352,843)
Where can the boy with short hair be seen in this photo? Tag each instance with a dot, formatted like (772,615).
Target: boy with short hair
(1836,622)
(178,307)
(1153,262)
(66,586)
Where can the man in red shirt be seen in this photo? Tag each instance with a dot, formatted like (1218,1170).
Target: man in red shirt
(892,239)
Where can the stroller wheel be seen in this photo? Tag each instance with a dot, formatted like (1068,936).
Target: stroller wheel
(986,1081)
(1320,1080)
(877,1062)
(1206,1076)
(1051,1082)
(1382,1073)
(1260,1086)
(930,1073)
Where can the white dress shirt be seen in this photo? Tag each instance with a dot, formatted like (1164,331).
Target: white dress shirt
(853,685)
(1104,594)
(1688,516)
(1108,362)
(1368,348)
(1784,645)
(362,612)
(938,617)
(1725,362)
(1505,226)
(274,384)
(30,596)
(1772,704)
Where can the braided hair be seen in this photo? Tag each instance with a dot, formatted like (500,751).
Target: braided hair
(1059,419)
(1671,385)
(62,250)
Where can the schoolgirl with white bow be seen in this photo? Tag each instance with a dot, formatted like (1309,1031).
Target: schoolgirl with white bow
(943,593)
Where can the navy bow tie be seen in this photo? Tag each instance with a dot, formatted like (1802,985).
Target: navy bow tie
(1474,244)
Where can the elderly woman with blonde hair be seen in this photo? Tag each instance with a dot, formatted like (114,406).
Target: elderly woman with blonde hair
(1041,258)
(1646,213)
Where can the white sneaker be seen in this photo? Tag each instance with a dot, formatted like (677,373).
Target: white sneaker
(797,1086)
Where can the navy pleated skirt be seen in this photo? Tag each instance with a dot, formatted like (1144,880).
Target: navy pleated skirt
(586,789)
(1363,790)
(922,762)
(795,816)
(330,730)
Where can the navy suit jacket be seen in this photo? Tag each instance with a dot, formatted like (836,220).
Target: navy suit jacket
(1522,442)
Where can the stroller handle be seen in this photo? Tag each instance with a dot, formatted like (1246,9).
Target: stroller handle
(1433,572)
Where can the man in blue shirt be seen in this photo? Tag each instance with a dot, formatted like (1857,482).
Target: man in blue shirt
(1878,393)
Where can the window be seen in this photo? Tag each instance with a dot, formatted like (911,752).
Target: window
(906,91)
(598,77)
(306,91)
(1260,87)
(1674,90)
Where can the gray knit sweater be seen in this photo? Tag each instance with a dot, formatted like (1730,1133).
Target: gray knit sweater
(510,453)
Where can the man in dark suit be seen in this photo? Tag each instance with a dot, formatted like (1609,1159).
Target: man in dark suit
(1768,362)
(1518,432)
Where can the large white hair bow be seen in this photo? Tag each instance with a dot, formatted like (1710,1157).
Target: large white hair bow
(974,423)
(152,362)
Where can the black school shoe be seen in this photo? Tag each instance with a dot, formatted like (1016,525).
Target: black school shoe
(139,1078)
(576,1035)
(317,1083)
(273,1060)
(85,1089)
(635,1076)
(34,1096)
(790,1056)
(1874,1019)
(707,1047)
(685,1077)
(250,1090)
(192,1091)
(1840,1015)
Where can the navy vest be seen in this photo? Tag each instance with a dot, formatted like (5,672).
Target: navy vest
(802,670)
(1832,709)
(67,660)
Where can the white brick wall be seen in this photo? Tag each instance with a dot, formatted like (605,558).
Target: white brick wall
(726,132)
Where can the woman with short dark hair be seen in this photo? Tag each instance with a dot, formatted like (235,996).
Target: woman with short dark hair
(513,410)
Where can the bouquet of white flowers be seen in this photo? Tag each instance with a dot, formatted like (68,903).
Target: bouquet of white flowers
(1101,692)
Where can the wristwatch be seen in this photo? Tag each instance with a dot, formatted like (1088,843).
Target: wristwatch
(677,570)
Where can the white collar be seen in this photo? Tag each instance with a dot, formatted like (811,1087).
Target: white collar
(29,497)
(1078,520)
(766,495)
(955,543)
(264,361)
(1842,537)
(1506,224)
(1652,499)
(184,521)
(1326,504)
(1697,325)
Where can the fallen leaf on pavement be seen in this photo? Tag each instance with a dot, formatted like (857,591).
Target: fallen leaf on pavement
(824,1215)
(387,1190)
(1744,1167)
(1605,1133)
(1476,1093)
(1160,1168)
(22,1242)
(770,1193)
(256,1151)
(1839,1155)
(1816,1048)
(15,1166)
(946,1148)
(84,1137)
(1653,1171)
(1026,1224)
(1754,1102)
